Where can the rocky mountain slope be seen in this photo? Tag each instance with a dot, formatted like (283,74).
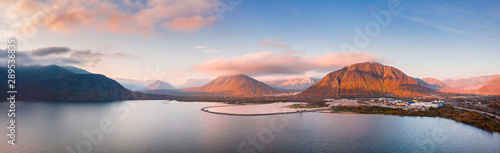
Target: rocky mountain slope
(233,85)
(367,80)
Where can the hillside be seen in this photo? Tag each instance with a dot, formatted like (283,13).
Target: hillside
(490,88)
(472,83)
(233,85)
(157,85)
(195,82)
(367,80)
(435,84)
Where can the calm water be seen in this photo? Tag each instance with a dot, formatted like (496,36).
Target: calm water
(152,126)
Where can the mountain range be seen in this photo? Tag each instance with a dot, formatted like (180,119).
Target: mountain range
(483,85)
(435,84)
(368,79)
(60,84)
(472,83)
(294,85)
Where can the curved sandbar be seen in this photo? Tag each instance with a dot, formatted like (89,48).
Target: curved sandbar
(255,109)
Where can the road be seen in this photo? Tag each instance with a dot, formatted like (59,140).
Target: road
(497,116)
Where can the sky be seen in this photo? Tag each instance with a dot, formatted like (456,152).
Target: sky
(176,40)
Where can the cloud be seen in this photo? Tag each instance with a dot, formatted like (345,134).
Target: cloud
(190,24)
(201,47)
(210,51)
(50,51)
(284,46)
(268,42)
(124,55)
(274,42)
(267,63)
(206,49)
(55,55)
(28,16)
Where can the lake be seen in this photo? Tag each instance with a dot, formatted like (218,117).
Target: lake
(160,126)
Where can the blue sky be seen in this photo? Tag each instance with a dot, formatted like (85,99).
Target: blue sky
(265,39)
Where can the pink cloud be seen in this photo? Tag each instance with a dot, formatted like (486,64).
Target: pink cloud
(281,46)
(269,63)
(117,17)
(70,19)
(268,42)
(189,24)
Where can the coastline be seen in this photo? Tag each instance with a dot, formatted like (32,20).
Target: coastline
(257,109)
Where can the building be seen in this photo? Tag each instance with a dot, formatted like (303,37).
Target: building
(427,104)
(400,104)
(395,101)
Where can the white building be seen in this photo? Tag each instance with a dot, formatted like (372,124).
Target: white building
(426,104)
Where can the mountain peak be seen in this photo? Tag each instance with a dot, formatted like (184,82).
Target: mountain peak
(234,76)
(239,85)
(369,79)
(159,85)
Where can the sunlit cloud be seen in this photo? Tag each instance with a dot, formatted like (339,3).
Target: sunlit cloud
(269,42)
(267,63)
(26,17)
(189,24)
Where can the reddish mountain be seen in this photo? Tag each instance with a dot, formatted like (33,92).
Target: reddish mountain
(472,83)
(233,85)
(436,85)
(491,88)
(369,79)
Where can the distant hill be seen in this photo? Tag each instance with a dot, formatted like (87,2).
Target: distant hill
(195,82)
(233,85)
(55,83)
(472,83)
(157,85)
(133,85)
(435,84)
(492,87)
(368,79)
(297,84)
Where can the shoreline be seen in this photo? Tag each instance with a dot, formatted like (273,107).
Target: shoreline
(258,109)
(205,110)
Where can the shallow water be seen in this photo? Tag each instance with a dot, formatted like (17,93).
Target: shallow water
(152,126)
